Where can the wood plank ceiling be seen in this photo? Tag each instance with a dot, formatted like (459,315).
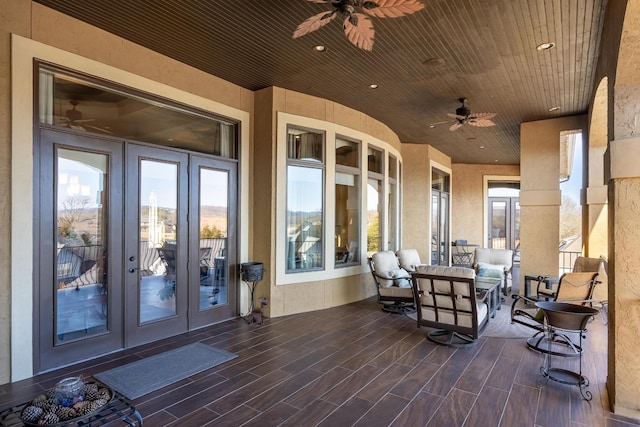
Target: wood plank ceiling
(483,50)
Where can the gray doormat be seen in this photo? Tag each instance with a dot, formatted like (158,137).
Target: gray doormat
(152,373)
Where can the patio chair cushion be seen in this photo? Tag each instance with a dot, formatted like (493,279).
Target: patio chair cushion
(409,259)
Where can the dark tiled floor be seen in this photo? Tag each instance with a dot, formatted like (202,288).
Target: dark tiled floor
(357,365)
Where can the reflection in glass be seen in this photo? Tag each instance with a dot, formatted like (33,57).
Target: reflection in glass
(81,293)
(374,160)
(69,101)
(214,213)
(374,207)
(304,249)
(158,197)
(347,235)
(304,145)
(392,211)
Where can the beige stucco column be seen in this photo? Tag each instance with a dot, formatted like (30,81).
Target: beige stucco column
(623,381)
(419,159)
(540,195)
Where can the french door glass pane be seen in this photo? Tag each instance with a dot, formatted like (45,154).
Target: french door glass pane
(214,214)
(498,224)
(81,257)
(158,195)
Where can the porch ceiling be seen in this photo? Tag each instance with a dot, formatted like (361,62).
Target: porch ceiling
(483,50)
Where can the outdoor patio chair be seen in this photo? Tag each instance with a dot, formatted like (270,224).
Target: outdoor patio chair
(460,254)
(574,288)
(498,263)
(392,282)
(446,300)
(409,259)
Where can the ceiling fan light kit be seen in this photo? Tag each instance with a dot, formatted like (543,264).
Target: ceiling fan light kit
(358,27)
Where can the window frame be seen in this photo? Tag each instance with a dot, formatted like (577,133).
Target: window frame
(310,164)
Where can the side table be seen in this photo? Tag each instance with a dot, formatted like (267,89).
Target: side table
(119,411)
(492,286)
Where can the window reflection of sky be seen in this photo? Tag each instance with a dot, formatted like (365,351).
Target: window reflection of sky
(77,179)
(304,189)
(161,179)
(213,188)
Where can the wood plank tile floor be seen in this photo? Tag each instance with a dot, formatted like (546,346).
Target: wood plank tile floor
(357,365)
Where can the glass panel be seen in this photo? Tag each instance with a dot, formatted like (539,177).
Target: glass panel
(393,216)
(498,224)
(444,229)
(439,181)
(435,209)
(374,207)
(81,297)
(347,153)
(374,160)
(393,167)
(214,212)
(347,235)
(305,145)
(70,102)
(158,244)
(304,249)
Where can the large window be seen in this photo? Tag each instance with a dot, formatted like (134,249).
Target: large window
(305,201)
(375,198)
(89,105)
(347,207)
(392,211)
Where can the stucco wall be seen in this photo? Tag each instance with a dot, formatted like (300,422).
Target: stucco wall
(468,198)
(416,199)
(540,195)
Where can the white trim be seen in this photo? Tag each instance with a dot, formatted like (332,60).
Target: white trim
(23,53)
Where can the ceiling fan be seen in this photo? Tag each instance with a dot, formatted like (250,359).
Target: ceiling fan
(358,27)
(73,119)
(464,116)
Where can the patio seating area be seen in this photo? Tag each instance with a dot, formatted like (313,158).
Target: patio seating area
(356,365)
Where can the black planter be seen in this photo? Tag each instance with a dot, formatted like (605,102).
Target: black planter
(251,271)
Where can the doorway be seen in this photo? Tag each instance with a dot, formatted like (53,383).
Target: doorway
(136,243)
(504,222)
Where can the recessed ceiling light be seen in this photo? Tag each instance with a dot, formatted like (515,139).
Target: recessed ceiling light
(545,46)
(432,126)
(373,86)
(496,160)
(482,147)
(552,109)
(319,48)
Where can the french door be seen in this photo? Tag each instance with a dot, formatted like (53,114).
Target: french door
(504,222)
(136,243)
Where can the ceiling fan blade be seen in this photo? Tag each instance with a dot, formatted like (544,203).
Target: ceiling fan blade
(482,123)
(482,115)
(393,8)
(313,23)
(361,33)
(455,126)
